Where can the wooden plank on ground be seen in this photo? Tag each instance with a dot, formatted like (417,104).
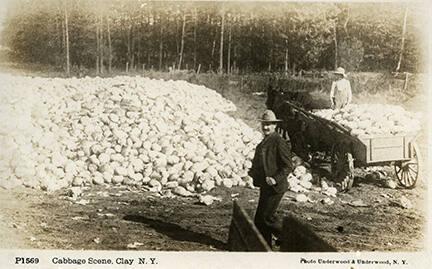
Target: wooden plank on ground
(243,234)
(299,237)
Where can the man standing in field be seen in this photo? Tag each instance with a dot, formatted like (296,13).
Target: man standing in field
(340,93)
(270,167)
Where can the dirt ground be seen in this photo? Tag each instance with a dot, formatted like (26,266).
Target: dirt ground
(120,218)
(116,217)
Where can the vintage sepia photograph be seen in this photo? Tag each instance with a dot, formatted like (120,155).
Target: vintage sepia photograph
(213,126)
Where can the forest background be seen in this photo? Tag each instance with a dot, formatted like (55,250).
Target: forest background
(82,36)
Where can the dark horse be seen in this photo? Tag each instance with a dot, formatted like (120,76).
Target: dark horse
(291,128)
(306,135)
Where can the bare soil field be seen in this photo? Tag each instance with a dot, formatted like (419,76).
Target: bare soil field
(121,218)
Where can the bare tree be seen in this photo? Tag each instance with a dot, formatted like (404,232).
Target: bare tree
(335,44)
(285,37)
(402,39)
(221,42)
(97,47)
(195,38)
(271,49)
(229,48)
(176,37)
(66,23)
(109,45)
(213,44)
(131,46)
(286,55)
(160,43)
(182,40)
(101,60)
(236,44)
(128,44)
(148,41)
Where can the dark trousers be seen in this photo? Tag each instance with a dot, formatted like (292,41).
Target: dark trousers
(265,218)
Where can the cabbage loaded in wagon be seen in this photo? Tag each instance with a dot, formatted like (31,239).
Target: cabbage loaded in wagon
(357,135)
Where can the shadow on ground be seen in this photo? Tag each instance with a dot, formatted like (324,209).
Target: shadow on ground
(176,232)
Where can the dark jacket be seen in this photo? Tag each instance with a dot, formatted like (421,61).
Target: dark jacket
(272,159)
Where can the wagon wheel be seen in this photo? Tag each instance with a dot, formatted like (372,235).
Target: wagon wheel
(342,166)
(407,172)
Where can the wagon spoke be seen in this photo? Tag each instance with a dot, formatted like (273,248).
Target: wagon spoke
(408,178)
(404,180)
(412,162)
(411,178)
(398,169)
(413,174)
(412,169)
(400,176)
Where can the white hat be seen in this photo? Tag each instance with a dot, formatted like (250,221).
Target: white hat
(269,116)
(340,71)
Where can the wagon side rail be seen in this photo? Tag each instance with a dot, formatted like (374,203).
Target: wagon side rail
(326,122)
(398,149)
(360,146)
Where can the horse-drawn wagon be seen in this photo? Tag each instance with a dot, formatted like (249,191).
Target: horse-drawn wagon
(310,133)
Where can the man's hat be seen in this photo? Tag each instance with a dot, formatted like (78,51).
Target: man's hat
(340,71)
(269,116)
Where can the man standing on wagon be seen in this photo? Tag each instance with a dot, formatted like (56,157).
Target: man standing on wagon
(340,93)
(270,167)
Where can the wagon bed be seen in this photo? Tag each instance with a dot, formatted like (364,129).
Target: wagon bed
(315,133)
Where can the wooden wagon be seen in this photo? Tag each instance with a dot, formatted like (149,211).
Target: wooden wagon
(310,133)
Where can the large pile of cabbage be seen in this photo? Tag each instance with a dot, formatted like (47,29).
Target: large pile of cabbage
(56,132)
(374,119)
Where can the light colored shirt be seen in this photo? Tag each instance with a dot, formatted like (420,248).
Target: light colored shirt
(340,93)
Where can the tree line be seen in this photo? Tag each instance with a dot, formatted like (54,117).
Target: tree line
(221,37)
